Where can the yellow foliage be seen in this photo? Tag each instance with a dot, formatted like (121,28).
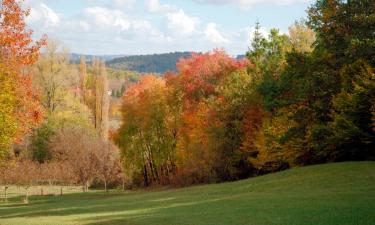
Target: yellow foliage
(8,122)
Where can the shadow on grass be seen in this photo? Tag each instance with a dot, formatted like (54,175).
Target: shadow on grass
(92,207)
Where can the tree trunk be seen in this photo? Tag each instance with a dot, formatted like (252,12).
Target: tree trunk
(145,177)
(105,186)
(41,191)
(61,191)
(26,200)
(123,184)
(5,194)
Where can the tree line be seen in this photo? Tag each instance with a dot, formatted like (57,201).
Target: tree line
(54,115)
(297,99)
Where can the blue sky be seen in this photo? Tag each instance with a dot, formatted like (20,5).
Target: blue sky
(158,26)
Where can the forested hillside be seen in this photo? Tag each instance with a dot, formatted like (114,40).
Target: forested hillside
(75,58)
(156,63)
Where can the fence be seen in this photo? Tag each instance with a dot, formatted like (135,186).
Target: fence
(41,190)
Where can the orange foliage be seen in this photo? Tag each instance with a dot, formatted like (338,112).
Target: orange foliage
(199,76)
(17,51)
(202,72)
(252,122)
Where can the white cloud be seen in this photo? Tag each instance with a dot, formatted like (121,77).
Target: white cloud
(84,25)
(44,16)
(112,24)
(155,6)
(106,18)
(251,3)
(124,2)
(105,27)
(181,24)
(212,34)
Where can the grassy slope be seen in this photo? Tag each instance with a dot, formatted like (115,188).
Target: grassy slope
(342,194)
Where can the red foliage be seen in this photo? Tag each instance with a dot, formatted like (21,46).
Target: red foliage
(202,72)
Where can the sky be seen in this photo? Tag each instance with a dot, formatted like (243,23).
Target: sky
(133,27)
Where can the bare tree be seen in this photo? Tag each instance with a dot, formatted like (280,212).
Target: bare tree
(108,163)
(75,147)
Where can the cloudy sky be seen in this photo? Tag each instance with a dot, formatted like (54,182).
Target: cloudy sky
(158,26)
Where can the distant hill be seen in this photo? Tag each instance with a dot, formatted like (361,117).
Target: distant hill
(152,63)
(155,63)
(75,58)
(240,57)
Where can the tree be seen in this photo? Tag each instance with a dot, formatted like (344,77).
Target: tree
(17,46)
(40,142)
(18,50)
(83,77)
(199,156)
(352,129)
(102,102)
(8,122)
(344,30)
(145,140)
(53,76)
(256,52)
(109,165)
(76,147)
(26,175)
(301,37)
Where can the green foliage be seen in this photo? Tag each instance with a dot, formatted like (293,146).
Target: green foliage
(156,63)
(352,130)
(145,138)
(123,74)
(344,29)
(238,108)
(40,142)
(268,55)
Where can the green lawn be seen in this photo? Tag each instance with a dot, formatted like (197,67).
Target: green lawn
(341,193)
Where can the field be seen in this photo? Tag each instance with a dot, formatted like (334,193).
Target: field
(341,193)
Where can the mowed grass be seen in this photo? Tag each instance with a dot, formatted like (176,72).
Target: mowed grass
(340,193)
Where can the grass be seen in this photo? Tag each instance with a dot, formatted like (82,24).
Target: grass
(340,193)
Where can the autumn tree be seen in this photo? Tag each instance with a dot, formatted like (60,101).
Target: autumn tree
(109,166)
(102,102)
(301,37)
(352,130)
(198,157)
(145,139)
(8,101)
(76,147)
(53,76)
(57,81)
(83,77)
(17,51)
